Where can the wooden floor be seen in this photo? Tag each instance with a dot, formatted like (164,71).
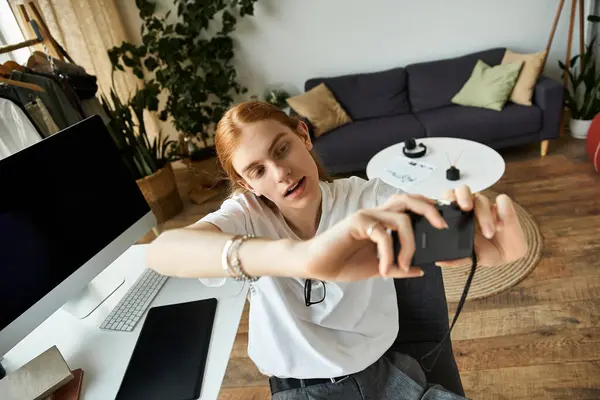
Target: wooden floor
(538,340)
(541,339)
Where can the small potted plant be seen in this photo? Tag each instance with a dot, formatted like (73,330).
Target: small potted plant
(149,162)
(277,97)
(582,98)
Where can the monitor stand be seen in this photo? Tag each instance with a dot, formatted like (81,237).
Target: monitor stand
(93,294)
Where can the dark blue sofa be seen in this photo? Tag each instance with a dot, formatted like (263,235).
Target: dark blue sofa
(388,107)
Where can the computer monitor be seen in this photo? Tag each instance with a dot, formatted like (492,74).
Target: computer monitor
(68,208)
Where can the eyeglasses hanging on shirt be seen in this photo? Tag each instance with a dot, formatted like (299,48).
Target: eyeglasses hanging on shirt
(314,290)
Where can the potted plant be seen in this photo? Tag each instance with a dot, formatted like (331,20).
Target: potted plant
(149,162)
(190,57)
(277,97)
(582,98)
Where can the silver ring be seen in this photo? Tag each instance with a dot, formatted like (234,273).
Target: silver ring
(371,228)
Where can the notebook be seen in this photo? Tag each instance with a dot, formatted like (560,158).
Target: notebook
(170,354)
(70,391)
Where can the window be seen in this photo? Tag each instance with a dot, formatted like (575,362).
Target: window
(10,33)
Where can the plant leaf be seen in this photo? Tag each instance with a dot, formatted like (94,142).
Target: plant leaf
(573,61)
(138,72)
(150,63)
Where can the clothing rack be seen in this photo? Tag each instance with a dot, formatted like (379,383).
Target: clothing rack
(63,92)
(42,36)
(27,43)
(24,85)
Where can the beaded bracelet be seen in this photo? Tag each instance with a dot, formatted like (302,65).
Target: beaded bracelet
(231,260)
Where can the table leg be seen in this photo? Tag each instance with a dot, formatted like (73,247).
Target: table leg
(544,149)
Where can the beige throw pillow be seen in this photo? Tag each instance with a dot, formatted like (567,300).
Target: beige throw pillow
(532,66)
(321,108)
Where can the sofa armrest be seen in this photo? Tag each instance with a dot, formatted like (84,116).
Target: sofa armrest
(549,96)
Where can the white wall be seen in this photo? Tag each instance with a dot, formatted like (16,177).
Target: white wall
(289,41)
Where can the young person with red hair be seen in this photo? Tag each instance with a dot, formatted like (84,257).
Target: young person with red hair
(317,253)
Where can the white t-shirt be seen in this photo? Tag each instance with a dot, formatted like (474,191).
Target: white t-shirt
(355,324)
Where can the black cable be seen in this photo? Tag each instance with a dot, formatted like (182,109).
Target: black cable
(461,303)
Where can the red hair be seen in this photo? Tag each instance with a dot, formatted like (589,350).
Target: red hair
(229,129)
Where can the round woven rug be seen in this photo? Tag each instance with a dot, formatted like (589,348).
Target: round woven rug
(489,281)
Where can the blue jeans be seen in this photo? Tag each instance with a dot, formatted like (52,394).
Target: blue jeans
(394,376)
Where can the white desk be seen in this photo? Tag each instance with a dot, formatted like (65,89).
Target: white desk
(104,355)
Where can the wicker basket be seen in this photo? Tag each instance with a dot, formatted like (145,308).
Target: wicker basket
(160,191)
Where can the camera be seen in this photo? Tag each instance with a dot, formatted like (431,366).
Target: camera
(433,244)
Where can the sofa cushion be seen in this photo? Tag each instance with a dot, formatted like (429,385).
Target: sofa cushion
(532,66)
(489,87)
(350,147)
(369,95)
(320,107)
(433,84)
(479,124)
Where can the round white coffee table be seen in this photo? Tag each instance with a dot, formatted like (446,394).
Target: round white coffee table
(480,166)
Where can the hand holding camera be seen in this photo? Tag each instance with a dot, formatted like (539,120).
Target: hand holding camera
(409,230)
(499,236)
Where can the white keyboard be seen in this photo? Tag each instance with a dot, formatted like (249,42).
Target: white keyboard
(136,301)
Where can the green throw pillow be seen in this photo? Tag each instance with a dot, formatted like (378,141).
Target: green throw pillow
(489,87)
